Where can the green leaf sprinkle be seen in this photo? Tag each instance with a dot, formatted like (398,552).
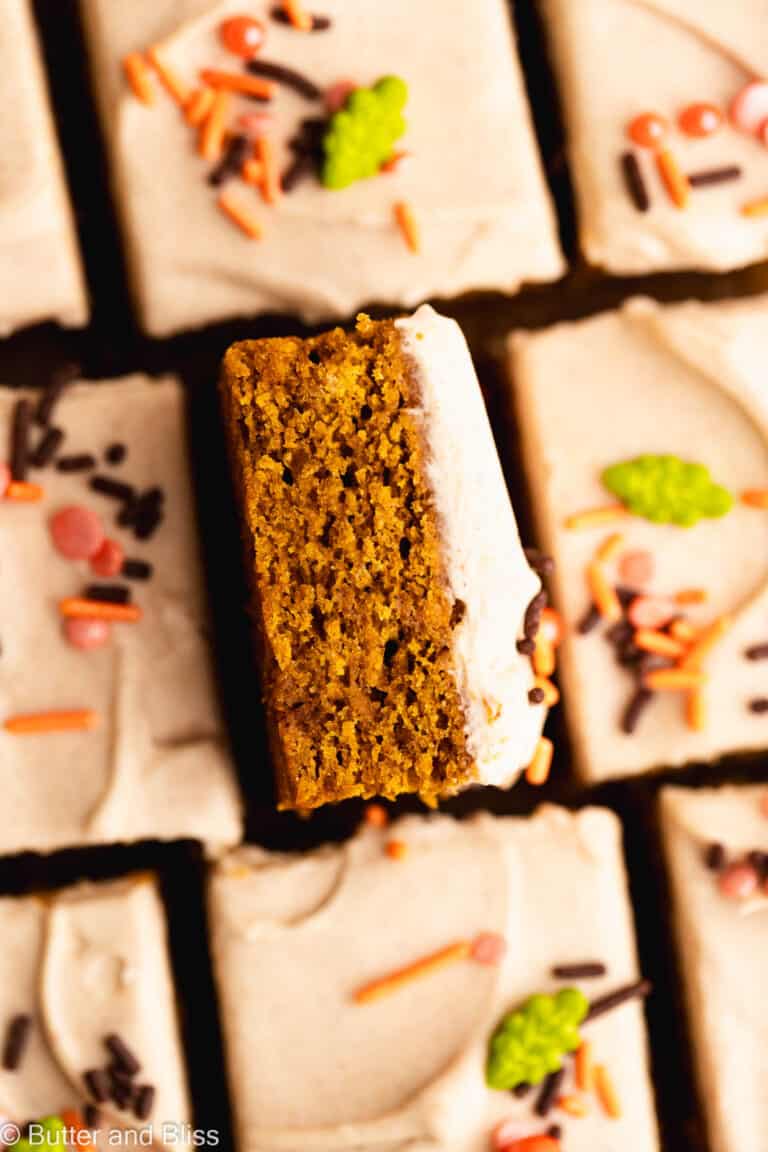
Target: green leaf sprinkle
(531,1042)
(667,490)
(361,136)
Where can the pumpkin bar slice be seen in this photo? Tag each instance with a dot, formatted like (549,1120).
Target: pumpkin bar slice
(390,588)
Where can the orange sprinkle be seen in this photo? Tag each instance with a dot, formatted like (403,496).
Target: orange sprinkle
(270,184)
(376,815)
(74,1121)
(609,547)
(755,497)
(650,641)
(691,596)
(755,207)
(253,173)
(32,723)
(75,607)
(603,594)
(551,628)
(199,106)
(606,1092)
(675,180)
(673,680)
(396,849)
(696,710)
(573,1105)
(238,82)
(406,222)
(551,694)
(422,967)
(241,215)
(394,161)
(705,642)
(23,492)
(298,15)
(595,517)
(137,74)
(543,657)
(537,772)
(173,85)
(682,630)
(584,1067)
(213,128)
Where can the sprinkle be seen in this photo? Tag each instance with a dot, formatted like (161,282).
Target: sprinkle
(16,1039)
(647,130)
(549,694)
(109,560)
(589,621)
(97,1084)
(76,532)
(394,161)
(288,76)
(49,400)
(572,1105)
(137,74)
(298,16)
(652,612)
(148,513)
(691,596)
(738,881)
(759,705)
(253,172)
(700,119)
(683,630)
(376,815)
(92,1116)
(650,641)
(81,462)
(634,182)
(87,635)
(173,85)
(602,593)
(47,447)
(301,166)
(242,35)
(19,455)
(551,628)
(33,723)
(246,85)
(714,857)
(542,564)
(533,615)
(319,23)
(235,154)
(122,1054)
(488,948)
(755,208)
(606,1092)
(254,123)
(213,129)
(708,637)
(549,1092)
(749,108)
(544,660)
(265,153)
(520,1091)
(635,567)
(696,710)
(115,489)
(638,990)
(609,548)
(396,849)
(710,176)
(199,105)
(537,772)
(136,570)
(757,652)
(588,970)
(22,492)
(756,497)
(241,215)
(451,954)
(144,1101)
(406,222)
(584,1067)
(108,593)
(536,696)
(595,517)
(120,1089)
(532,1144)
(675,180)
(673,679)
(76,608)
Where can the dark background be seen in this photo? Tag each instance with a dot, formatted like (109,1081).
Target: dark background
(113,345)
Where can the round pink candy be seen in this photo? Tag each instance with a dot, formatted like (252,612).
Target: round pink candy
(750,108)
(87,634)
(335,96)
(488,948)
(635,568)
(77,532)
(5,479)
(650,612)
(738,881)
(109,559)
(256,123)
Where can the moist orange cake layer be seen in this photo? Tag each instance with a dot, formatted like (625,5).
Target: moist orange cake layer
(352,605)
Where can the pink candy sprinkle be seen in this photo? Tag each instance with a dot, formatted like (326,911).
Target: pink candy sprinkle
(256,123)
(650,612)
(109,559)
(5,479)
(750,108)
(635,568)
(335,97)
(87,634)
(738,881)
(488,948)
(77,532)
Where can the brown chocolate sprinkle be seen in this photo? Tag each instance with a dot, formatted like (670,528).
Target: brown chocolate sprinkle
(542,564)
(144,1101)
(16,1039)
(235,155)
(536,696)
(638,702)
(636,991)
(759,705)
(532,620)
(759,861)
(711,176)
(120,1090)
(82,462)
(47,447)
(589,620)
(634,182)
(588,970)
(115,453)
(148,513)
(136,570)
(526,647)
(284,75)
(757,652)
(122,1054)
(521,1090)
(549,1092)
(319,23)
(53,393)
(22,415)
(97,1084)
(303,164)
(92,1116)
(714,857)
(115,489)
(555,1131)
(108,593)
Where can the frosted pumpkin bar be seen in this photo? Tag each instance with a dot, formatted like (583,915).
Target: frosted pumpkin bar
(393,601)
(645,436)
(512,992)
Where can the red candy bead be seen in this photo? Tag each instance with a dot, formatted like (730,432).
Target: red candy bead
(650,612)
(648,130)
(77,532)
(700,119)
(738,882)
(243,36)
(109,559)
(87,634)
(5,479)
(488,948)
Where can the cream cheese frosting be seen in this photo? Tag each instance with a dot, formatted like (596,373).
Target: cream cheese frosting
(295,937)
(84,964)
(486,566)
(661,56)
(723,952)
(325,253)
(686,380)
(156,765)
(40,273)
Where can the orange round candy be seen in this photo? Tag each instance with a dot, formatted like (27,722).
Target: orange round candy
(648,130)
(242,35)
(700,119)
